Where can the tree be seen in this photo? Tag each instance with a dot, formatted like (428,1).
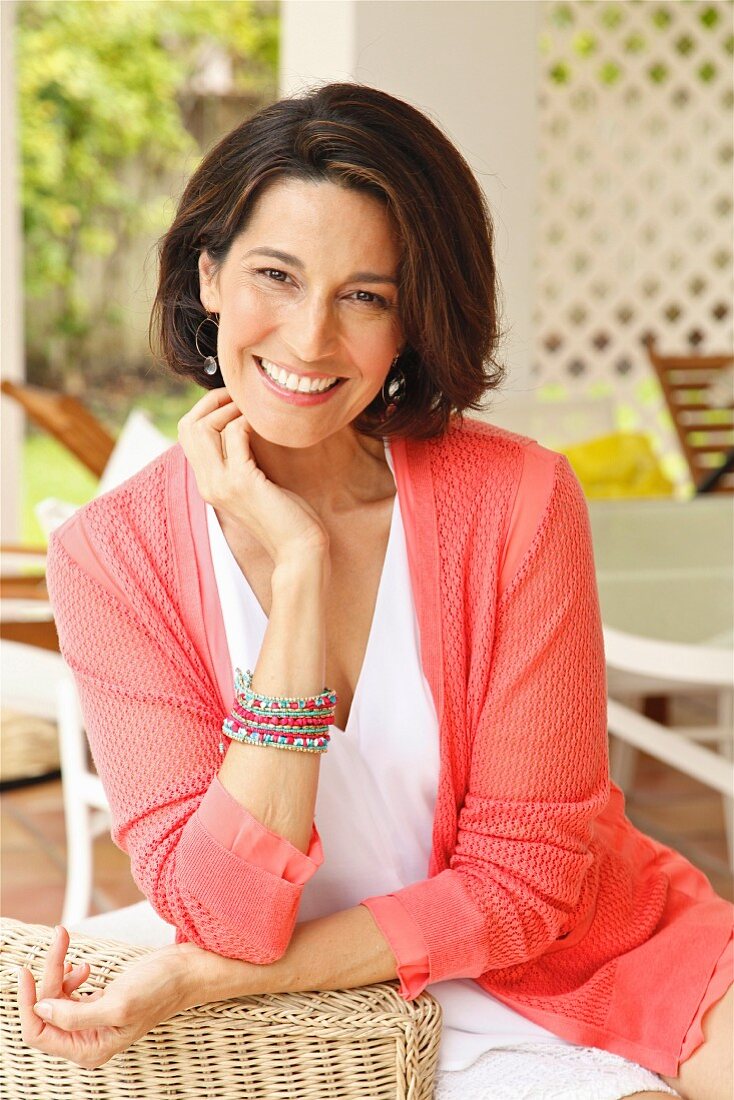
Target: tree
(102,85)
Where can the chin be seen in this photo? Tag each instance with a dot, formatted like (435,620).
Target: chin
(287,434)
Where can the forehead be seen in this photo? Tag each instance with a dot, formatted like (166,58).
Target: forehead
(302,214)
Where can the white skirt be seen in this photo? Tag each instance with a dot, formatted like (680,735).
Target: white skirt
(548,1071)
(525,1071)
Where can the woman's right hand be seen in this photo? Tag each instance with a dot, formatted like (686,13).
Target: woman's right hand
(215,437)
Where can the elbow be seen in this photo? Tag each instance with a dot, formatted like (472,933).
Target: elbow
(223,904)
(525,922)
(231,943)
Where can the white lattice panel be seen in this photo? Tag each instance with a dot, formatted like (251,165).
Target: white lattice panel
(635,198)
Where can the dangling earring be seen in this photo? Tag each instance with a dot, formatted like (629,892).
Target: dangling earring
(396,387)
(210,361)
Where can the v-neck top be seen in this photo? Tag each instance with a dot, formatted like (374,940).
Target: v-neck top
(378,781)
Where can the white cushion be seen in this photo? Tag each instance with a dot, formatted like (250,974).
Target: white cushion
(138,924)
(138,443)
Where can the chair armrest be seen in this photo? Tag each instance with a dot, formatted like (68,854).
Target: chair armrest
(327,1044)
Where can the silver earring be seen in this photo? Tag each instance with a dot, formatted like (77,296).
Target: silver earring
(210,361)
(396,387)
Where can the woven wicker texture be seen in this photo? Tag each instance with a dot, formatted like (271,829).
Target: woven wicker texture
(360,1044)
(29,746)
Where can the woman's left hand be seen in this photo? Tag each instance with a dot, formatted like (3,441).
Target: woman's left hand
(89,1030)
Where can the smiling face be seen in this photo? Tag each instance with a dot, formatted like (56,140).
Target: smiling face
(310,288)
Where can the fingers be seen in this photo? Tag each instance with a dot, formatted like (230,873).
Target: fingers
(92,1012)
(236,440)
(52,978)
(210,402)
(200,430)
(75,977)
(31,1025)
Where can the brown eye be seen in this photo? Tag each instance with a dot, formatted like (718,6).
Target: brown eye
(273,274)
(372,299)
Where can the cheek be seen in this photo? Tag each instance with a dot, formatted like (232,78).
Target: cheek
(373,348)
(247,320)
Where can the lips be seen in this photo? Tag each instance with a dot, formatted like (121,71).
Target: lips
(310,377)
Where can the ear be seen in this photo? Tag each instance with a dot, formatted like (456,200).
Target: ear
(208,283)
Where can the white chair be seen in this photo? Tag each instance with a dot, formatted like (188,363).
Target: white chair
(86,809)
(667,668)
(38,682)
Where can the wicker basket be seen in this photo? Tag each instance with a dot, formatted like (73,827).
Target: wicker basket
(29,747)
(361,1044)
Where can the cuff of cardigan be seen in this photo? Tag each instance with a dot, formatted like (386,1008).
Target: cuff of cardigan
(226,905)
(237,830)
(406,943)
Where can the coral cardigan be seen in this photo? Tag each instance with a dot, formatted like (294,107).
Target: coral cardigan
(538,886)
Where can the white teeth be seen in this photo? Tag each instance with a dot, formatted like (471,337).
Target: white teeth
(293,382)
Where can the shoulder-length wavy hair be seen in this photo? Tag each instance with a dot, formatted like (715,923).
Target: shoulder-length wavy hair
(362,138)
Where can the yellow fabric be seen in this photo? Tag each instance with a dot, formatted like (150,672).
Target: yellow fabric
(622,464)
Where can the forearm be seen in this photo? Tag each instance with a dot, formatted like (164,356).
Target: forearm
(341,951)
(279,787)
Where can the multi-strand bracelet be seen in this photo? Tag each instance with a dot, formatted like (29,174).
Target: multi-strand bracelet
(297,723)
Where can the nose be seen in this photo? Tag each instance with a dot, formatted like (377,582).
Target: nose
(311,331)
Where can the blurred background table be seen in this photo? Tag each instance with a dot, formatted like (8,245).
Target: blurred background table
(665,568)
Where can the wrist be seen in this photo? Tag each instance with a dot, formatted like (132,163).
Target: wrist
(312,570)
(203,977)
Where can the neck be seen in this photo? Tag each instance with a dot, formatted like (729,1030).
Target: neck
(338,474)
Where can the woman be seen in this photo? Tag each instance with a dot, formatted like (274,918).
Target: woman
(330,523)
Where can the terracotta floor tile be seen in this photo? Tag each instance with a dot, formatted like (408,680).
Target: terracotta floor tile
(44,907)
(12,833)
(692,816)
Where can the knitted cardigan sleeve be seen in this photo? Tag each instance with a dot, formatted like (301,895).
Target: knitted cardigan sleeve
(206,865)
(518,879)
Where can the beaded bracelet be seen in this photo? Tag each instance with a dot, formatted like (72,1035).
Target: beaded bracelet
(297,723)
(326,700)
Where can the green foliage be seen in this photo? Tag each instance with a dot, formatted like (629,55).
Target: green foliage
(100,85)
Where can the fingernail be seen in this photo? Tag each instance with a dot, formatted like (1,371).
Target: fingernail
(43,1009)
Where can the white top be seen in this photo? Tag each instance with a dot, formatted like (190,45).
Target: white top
(378,780)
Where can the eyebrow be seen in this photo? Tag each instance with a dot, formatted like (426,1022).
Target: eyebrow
(287,258)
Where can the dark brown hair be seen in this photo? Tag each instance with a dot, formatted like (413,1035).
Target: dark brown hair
(362,138)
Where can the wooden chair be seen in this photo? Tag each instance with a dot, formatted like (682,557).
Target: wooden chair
(25,610)
(25,614)
(79,431)
(346,1044)
(704,421)
(66,419)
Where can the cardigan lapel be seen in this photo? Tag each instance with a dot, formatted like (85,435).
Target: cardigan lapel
(414,481)
(200,605)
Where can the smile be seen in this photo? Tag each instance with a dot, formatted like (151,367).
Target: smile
(294,382)
(294,388)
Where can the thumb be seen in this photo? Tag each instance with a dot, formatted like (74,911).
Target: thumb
(67,1015)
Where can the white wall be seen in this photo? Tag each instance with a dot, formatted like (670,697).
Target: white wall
(11,290)
(471,65)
